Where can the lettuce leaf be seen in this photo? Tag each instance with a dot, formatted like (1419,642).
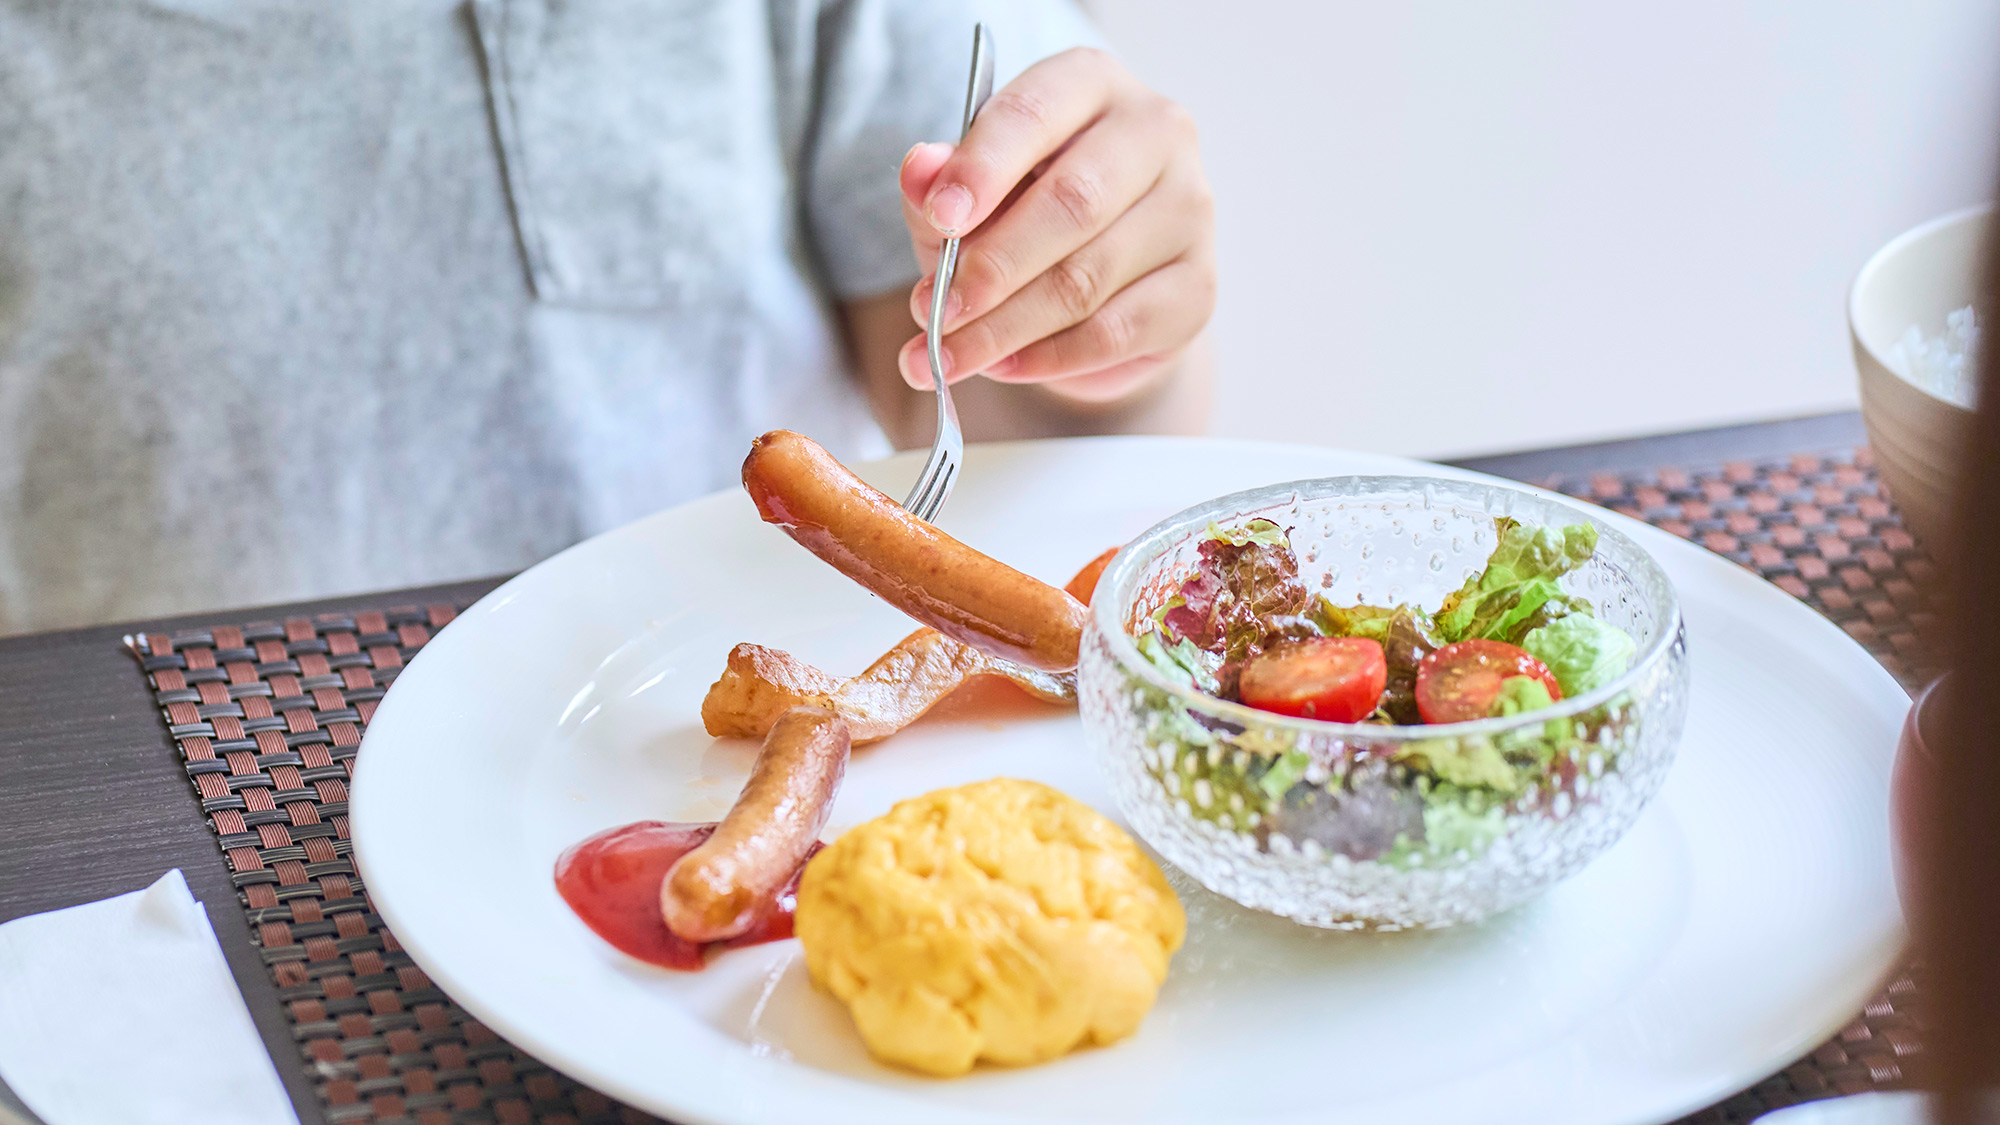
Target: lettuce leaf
(1552,610)
(1494,614)
(1519,582)
(1583,652)
(1469,762)
(1261,532)
(1526,552)
(1371,621)
(1180,660)
(1283,773)
(1469,825)
(1245,588)
(1519,694)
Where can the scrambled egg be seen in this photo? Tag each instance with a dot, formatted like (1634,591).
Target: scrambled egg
(1001,921)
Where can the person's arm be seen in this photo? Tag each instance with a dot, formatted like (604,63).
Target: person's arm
(1086,265)
(1174,401)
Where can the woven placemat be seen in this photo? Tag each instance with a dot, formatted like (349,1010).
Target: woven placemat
(268,716)
(1821,527)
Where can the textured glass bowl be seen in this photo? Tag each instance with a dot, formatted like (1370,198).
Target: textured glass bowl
(1332,824)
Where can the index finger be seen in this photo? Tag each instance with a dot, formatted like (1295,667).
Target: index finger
(1021,126)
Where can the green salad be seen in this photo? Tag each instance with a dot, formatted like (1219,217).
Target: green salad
(1244,627)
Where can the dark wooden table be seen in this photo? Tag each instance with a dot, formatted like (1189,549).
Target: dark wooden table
(94,801)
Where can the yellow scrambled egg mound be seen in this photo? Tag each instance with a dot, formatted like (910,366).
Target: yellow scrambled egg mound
(1000,921)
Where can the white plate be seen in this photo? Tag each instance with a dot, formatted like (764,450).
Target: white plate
(1747,915)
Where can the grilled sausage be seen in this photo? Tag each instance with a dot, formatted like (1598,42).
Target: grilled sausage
(910,564)
(716,891)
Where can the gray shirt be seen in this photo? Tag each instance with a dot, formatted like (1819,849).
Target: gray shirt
(308,298)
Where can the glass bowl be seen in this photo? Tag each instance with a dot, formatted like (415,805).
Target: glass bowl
(1346,826)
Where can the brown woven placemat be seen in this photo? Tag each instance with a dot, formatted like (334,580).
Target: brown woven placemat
(268,716)
(1819,526)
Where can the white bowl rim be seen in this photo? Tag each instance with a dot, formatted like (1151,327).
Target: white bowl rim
(1108,617)
(1875,262)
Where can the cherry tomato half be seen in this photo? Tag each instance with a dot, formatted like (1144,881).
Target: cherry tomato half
(1338,679)
(1460,681)
(1085,582)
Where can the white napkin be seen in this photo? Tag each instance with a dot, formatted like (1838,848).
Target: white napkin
(123,1012)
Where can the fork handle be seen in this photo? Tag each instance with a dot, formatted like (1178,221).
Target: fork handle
(947,267)
(978,88)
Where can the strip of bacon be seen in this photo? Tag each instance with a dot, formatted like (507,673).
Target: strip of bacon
(759,684)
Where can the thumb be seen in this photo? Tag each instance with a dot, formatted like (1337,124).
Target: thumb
(920,167)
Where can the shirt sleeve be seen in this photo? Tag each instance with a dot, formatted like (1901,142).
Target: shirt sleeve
(892,74)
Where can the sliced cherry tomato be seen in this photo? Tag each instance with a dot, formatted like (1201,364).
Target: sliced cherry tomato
(1085,582)
(1460,681)
(1338,679)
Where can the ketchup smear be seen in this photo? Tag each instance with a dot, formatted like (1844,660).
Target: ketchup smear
(612,881)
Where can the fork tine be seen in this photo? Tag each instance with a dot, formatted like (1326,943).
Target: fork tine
(928,498)
(947,476)
(933,487)
(919,503)
(926,487)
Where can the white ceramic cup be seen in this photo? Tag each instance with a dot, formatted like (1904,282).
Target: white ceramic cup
(1919,277)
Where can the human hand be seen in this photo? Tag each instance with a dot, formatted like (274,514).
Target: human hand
(1087,254)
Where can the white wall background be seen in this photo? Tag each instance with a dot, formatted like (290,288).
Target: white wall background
(1454,226)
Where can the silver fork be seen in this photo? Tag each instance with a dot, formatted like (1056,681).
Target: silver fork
(948,447)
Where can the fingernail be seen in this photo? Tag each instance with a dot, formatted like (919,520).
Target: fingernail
(949,208)
(1004,366)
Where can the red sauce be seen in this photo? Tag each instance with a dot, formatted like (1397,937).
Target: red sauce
(612,881)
